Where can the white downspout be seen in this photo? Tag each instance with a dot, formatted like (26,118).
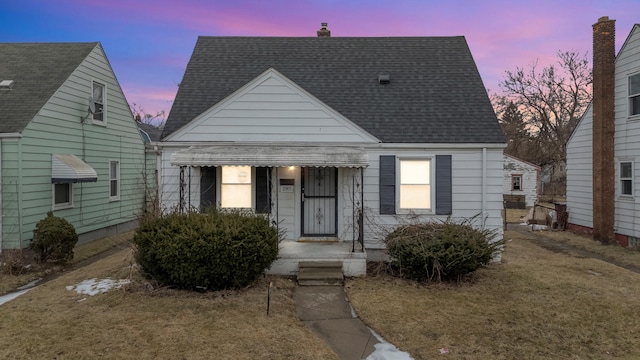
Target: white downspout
(484,186)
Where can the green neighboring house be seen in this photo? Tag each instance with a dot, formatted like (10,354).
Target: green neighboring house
(68,143)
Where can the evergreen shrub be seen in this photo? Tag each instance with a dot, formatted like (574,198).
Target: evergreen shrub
(437,251)
(54,239)
(214,250)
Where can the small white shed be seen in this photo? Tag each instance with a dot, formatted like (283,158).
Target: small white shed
(520,178)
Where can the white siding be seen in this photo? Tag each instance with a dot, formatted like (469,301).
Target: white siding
(529,172)
(580,173)
(272,109)
(467,187)
(468,197)
(627,138)
(287,206)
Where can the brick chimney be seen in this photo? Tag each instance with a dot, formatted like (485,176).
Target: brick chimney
(603,130)
(324,32)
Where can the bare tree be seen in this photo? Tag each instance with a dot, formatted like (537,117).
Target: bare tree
(551,101)
(158,119)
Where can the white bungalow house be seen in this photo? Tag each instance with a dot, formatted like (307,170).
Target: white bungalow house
(603,153)
(337,139)
(520,179)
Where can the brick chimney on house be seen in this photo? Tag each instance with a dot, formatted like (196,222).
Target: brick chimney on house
(603,130)
(324,32)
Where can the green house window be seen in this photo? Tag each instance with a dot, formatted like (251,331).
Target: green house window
(62,196)
(114,180)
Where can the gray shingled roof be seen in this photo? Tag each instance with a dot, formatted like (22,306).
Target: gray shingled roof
(436,94)
(38,70)
(152,131)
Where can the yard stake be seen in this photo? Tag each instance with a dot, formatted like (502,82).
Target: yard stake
(269,296)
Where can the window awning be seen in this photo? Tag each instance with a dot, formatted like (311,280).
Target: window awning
(271,156)
(70,169)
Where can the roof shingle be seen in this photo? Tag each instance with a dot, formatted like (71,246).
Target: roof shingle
(38,70)
(435,94)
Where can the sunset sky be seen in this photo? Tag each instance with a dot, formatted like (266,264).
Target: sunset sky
(149,42)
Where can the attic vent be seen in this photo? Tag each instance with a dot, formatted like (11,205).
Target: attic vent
(6,84)
(384,79)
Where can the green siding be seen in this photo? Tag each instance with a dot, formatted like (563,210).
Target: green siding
(27,191)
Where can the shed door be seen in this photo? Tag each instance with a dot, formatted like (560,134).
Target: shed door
(319,201)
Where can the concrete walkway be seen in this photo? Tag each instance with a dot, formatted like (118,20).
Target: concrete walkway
(326,311)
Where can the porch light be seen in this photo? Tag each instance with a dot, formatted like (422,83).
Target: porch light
(292,168)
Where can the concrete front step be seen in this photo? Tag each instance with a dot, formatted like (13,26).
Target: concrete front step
(320,264)
(312,273)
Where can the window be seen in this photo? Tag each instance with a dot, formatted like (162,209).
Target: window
(626,178)
(415,184)
(114,180)
(433,189)
(516,182)
(98,101)
(634,94)
(62,196)
(236,187)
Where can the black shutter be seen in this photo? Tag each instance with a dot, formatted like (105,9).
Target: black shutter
(443,185)
(207,187)
(263,191)
(387,184)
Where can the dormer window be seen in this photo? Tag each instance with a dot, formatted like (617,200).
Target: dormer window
(98,101)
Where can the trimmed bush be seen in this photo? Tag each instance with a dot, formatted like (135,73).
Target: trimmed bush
(54,239)
(440,250)
(213,250)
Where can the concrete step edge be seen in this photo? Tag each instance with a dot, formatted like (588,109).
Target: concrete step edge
(320,275)
(331,282)
(320,264)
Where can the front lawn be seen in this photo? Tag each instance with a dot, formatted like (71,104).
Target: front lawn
(138,322)
(537,304)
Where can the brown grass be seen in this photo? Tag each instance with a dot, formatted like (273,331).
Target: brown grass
(133,323)
(81,252)
(516,216)
(535,305)
(623,255)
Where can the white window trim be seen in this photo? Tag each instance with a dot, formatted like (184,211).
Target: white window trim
(62,206)
(629,96)
(102,122)
(219,189)
(513,176)
(119,179)
(432,187)
(620,178)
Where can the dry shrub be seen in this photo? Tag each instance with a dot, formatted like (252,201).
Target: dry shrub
(13,262)
(436,251)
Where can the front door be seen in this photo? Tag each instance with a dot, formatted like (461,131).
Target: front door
(319,201)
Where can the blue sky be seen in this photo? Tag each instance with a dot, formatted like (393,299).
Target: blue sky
(149,42)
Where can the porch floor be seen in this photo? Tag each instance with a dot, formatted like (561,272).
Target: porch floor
(292,252)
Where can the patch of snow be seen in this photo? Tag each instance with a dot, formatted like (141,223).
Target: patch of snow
(11,296)
(539,227)
(93,287)
(387,351)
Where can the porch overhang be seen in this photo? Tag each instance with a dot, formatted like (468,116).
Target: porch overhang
(272,156)
(71,169)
